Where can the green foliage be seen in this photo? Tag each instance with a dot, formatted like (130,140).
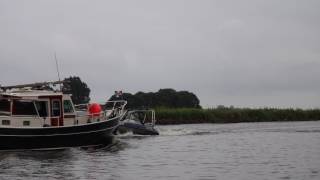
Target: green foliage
(163,98)
(232,115)
(79,90)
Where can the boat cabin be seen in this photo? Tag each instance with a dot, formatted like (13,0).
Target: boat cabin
(37,108)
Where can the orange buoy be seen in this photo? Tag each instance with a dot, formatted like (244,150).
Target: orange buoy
(94,109)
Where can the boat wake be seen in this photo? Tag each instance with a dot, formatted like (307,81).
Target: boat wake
(164,131)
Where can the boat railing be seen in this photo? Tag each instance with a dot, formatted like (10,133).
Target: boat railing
(145,120)
(116,108)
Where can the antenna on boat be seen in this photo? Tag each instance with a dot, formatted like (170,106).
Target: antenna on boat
(57,66)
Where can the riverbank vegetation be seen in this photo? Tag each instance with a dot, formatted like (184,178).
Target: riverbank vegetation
(183,107)
(232,115)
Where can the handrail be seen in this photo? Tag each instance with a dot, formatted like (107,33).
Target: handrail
(153,116)
(123,101)
(122,106)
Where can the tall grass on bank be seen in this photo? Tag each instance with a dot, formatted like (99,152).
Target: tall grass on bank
(233,115)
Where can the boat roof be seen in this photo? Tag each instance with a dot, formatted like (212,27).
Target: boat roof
(30,94)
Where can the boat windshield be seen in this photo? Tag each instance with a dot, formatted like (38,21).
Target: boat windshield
(67,106)
(142,116)
(42,107)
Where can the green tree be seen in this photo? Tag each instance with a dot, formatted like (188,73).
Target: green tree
(163,98)
(187,99)
(79,90)
(132,100)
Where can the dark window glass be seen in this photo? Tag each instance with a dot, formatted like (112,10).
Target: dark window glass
(42,107)
(5,122)
(4,105)
(26,123)
(56,108)
(67,106)
(23,108)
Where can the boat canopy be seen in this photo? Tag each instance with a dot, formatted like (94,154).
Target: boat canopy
(29,94)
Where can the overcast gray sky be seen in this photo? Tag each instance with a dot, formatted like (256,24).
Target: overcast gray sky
(248,53)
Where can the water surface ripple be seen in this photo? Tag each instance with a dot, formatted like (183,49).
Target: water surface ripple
(288,150)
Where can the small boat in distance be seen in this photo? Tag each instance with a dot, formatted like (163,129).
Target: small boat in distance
(140,122)
(32,118)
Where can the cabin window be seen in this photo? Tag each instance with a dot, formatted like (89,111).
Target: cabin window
(67,106)
(6,122)
(4,107)
(42,107)
(56,108)
(23,108)
(26,123)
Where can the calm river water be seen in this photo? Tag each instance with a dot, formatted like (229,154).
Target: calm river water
(289,150)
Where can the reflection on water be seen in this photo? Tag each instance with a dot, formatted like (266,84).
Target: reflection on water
(288,150)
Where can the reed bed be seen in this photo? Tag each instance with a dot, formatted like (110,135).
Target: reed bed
(233,115)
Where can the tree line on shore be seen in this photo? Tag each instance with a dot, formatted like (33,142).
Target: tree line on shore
(168,98)
(183,107)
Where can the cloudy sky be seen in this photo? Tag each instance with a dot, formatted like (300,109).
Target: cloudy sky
(247,53)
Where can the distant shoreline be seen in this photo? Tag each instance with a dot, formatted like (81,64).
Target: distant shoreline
(169,116)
